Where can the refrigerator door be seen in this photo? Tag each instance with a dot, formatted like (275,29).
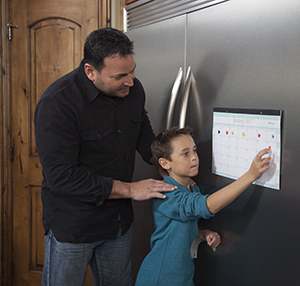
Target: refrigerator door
(245,54)
(159,53)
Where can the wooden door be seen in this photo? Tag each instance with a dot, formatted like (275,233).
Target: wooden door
(47,44)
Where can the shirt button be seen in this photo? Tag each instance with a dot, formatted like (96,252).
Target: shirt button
(119,131)
(99,136)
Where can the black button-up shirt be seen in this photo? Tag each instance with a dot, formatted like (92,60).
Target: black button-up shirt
(85,140)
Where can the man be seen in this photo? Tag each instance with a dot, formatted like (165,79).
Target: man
(88,126)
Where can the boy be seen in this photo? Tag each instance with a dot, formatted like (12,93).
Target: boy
(175,218)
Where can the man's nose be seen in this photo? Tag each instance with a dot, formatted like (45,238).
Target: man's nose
(129,79)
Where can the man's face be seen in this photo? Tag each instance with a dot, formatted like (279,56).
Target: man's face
(116,77)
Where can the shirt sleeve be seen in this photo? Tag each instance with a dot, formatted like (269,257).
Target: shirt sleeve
(180,205)
(146,135)
(145,140)
(58,145)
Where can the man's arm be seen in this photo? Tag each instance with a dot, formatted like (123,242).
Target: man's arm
(141,190)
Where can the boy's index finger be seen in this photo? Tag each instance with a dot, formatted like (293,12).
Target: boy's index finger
(263,152)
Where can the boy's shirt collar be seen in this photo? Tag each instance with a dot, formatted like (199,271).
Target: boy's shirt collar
(171,181)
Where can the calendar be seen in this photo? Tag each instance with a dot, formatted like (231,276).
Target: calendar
(238,135)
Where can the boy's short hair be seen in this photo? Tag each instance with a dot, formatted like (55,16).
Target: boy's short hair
(161,146)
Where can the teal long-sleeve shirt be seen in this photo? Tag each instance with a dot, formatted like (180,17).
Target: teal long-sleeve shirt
(169,262)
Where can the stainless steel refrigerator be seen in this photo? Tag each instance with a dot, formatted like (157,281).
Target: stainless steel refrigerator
(243,54)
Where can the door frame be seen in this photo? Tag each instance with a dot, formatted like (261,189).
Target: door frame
(6,198)
(5,145)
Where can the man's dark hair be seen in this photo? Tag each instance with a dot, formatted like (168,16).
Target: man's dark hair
(161,146)
(103,43)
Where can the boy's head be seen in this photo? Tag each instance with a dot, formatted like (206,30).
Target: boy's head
(162,145)
(176,152)
(176,146)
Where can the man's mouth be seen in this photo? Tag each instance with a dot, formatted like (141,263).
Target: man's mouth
(125,89)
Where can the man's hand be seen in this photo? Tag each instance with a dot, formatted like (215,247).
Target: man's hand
(141,190)
(147,189)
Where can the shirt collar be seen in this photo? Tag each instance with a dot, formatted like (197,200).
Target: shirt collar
(171,181)
(92,92)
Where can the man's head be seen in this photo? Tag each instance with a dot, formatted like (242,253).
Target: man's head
(175,150)
(104,43)
(109,62)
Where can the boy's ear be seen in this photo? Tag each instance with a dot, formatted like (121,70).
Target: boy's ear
(164,163)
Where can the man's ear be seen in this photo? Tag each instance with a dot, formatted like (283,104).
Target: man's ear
(90,72)
(164,163)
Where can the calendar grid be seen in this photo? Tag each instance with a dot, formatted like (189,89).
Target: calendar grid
(238,137)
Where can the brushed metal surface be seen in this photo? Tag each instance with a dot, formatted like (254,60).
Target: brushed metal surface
(245,54)
(159,53)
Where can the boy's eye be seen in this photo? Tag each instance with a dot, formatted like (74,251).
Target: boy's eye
(185,154)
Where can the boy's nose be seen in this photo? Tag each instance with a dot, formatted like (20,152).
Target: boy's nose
(195,156)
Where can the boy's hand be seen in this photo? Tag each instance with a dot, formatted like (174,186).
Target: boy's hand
(222,198)
(259,164)
(212,238)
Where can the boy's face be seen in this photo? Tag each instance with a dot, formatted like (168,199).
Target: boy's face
(184,159)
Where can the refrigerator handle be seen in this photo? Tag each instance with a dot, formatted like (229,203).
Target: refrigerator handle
(185,98)
(173,97)
(188,84)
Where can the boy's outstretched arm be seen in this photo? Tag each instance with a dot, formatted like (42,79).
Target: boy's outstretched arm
(220,199)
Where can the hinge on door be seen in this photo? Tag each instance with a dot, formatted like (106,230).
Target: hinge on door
(10,26)
(11,270)
(11,154)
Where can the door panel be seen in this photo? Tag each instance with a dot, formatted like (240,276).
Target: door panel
(159,55)
(47,45)
(245,54)
(44,36)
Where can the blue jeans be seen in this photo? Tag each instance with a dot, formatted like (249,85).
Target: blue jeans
(66,264)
